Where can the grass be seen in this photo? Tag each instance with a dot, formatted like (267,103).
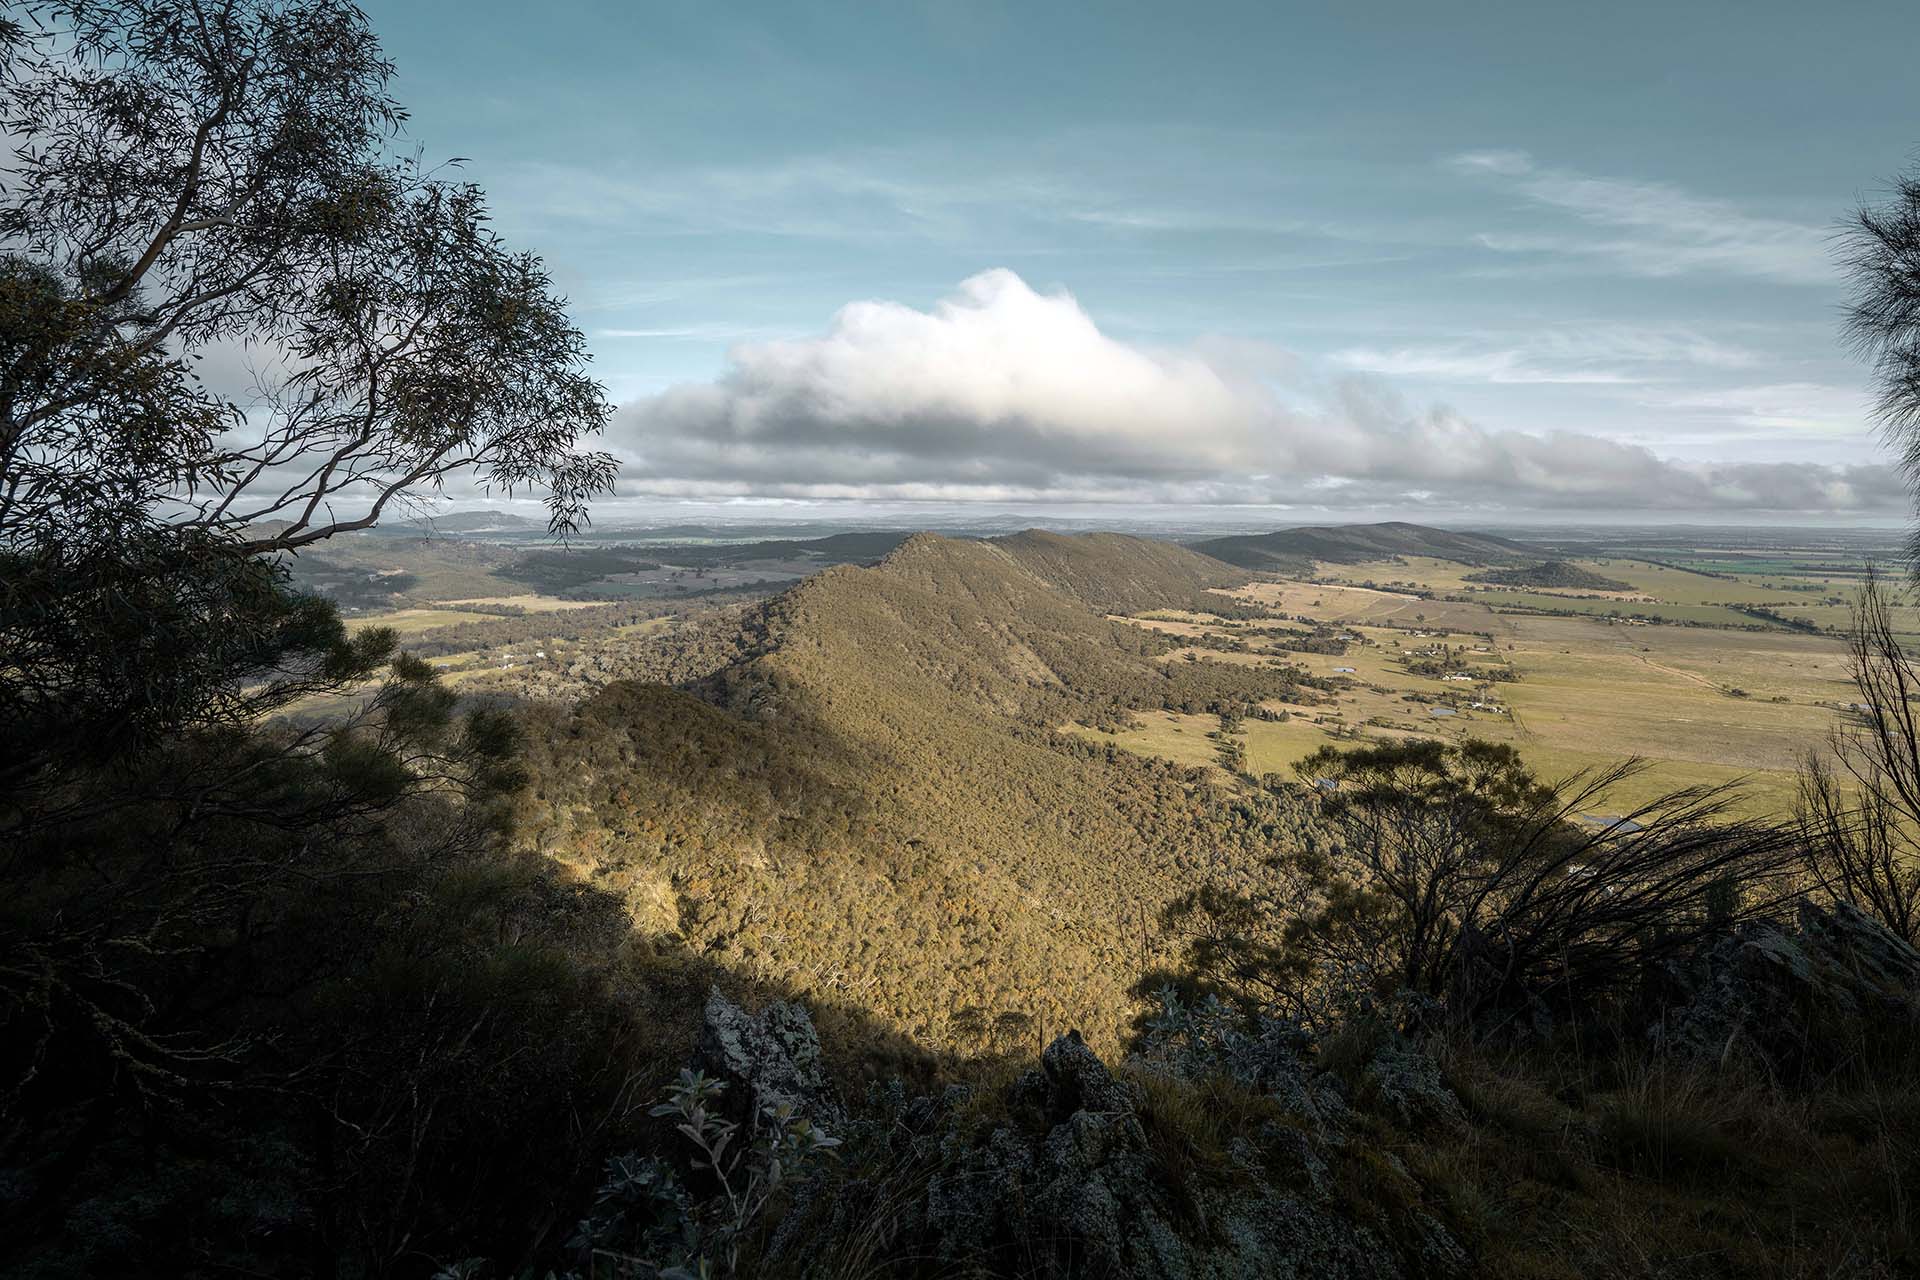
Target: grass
(1705,707)
(1167,734)
(1711,615)
(1273,746)
(1334,603)
(531,603)
(412,621)
(1619,1164)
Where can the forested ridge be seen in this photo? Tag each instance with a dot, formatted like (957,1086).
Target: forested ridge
(872,804)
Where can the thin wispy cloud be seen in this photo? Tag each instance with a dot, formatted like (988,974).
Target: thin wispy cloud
(1650,228)
(1800,408)
(1598,355)
(1455,364)
(710,332)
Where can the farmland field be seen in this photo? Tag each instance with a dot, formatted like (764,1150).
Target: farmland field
(1724,676)
(411,621)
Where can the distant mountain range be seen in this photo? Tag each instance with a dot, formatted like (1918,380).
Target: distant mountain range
(462,522)
(1295,550)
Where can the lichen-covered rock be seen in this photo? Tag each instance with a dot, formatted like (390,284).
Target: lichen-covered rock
(1777,994)
(1265,1054)
(1092,1190)
(768,1059)
(1884,969)
(1078,1081)
(1404,1080)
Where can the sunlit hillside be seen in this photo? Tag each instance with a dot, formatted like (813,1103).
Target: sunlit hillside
(872,808)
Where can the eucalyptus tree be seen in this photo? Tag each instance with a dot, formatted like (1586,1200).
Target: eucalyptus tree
(1881,251)
(226,178)
(191,185)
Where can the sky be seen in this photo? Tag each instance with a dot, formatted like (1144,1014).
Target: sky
(1500,260)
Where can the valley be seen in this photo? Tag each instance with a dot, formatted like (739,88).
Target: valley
(1717,663)
(954,784)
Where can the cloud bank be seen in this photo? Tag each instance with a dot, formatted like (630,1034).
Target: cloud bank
(1001,393)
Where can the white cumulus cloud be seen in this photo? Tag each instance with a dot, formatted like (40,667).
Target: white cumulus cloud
(1001,393)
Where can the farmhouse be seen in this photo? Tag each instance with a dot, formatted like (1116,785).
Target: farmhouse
(1612,826)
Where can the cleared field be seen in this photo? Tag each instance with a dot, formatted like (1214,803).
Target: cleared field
(531,603)
(1190,625)
(1274,745)
(1703,706)
(1658,591)
(1677,586)
(1330,603)
(1167,734)
(411,621)
(1412,571)
(1192,654)
(1587,690)
(1709,615)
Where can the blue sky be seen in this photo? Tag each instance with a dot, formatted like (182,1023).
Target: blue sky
(1485,259)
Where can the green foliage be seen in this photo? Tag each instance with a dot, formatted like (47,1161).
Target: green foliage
(1452,872)
(1489,779)
(225,932)
(1551,575)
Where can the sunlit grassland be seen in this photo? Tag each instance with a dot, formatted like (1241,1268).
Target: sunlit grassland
(1657,591)
(408,622)
(444,613)
(1332,603)
(1678,587)
(531,603)
(1702,706)
(1192,654)
(1167,734)
(1168,623)
(1711,615)
(1274,746)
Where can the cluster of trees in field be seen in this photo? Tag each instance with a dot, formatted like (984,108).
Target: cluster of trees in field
(1549,574)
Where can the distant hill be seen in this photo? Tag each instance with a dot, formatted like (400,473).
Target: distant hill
(1550,574)
(1296,550)
(461,522)
(871,800)
(858,547)
(1116,573)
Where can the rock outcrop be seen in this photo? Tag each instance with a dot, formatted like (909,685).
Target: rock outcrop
(1791,997)
(1097,1182)
(768,1060)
